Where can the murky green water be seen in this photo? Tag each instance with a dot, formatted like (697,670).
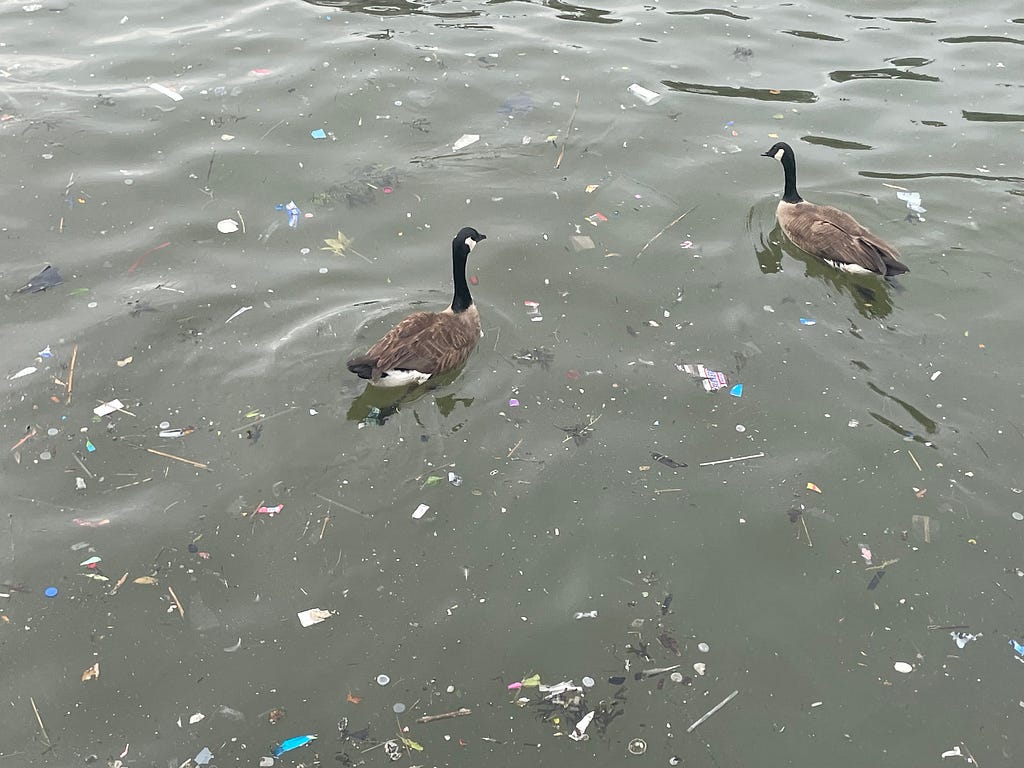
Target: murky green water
(900,403)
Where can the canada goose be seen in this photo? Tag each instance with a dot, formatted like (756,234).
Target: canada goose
(427,343)
(832,235)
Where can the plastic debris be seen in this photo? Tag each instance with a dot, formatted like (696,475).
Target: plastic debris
(318,133)
(240,311)
(454,479)
(585,615)
(50,591)
(293,743)
(579,732)
(711,380)
(737,390)
(227,226)
(23,372)
(293,213)
(383,680)
(198,717)
(420,511)
(903,667)
(668,461)
(813,487)
(647,96)
(807,321)
(89,446)
(582,243)
(464,141)
(1017,647)
(913,201)
(636,747)
(48,278)
(204,757)
(954,752)
(108,407)
(963,638)
(172,95)
(46,352)
(875,580)
(91,673)
(313,616)
(270,511)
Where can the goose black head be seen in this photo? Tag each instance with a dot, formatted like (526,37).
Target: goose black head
(468,238)
(779,150)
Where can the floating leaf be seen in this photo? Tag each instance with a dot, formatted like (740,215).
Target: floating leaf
(145,580)
(411,744)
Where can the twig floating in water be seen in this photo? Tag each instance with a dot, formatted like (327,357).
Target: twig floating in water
(462,712)
(71,374)
(732,459)
(42,728)
(177,602)
(712,711)
(804,521)
(664,229)
(568,130)
(198,464)
(344,506)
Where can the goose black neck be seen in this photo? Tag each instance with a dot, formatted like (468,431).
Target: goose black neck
(789,194)
(462,299)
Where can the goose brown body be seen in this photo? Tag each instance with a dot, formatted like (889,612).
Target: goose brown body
(426,344)
(828,233)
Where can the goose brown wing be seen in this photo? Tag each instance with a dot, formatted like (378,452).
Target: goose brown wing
(427,342)
(836,236)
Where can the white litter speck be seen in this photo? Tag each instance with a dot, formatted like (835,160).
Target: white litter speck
(647,96)
(852,423)
(22,372)
(227,226)
(79,484)
(226,137)
(903,667)
(700,668)
(108,407)
(421,510)
(913,201)
(465,140)
(936,375)
(703,647)
(198,717)
(241,311)
(313,616)
(172,95)
(768,308)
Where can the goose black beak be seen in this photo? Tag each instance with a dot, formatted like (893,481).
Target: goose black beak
(768,154)
(481,236)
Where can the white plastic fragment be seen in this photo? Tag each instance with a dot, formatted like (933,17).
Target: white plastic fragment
(465,140)
(579,733)
(240,311)
(108,407)
(903,667)
(647,96)
(172,95)
(80,484)
(936,375)
(584,615)
(198,717)
(313,616)
(421,510)
(954,752)
(22,372)
(227,226)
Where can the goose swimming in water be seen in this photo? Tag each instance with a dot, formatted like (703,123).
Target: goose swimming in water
(832,235)
(426,344)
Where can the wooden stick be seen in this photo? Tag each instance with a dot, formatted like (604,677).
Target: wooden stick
(39,720)
(804,521)
(178,458)
(664,229)
(913,459)
(71,374)
(568,130)
(712,711)
(731,459)
(462,712)
(324,529)
(345,507)
(668,490)
(514,447)
(265,418)
(32,433)
(177,602)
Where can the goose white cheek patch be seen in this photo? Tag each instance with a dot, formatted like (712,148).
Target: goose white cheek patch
(779,154)
(471,243)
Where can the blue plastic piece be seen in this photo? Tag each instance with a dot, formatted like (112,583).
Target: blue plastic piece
(293,743)
(807,321)
(737,390)
(1017,647)
(319,133)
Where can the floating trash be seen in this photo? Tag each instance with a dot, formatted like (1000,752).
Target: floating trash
(647,96)
(903,667)
(48,278)
(636,746)
(383,680)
